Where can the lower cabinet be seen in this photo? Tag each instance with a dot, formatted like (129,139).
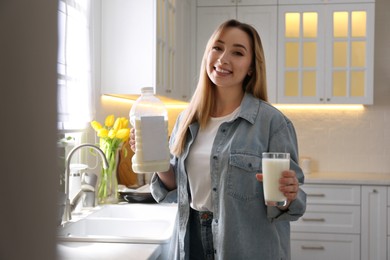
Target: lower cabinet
(322,246)
(374,222)
(388,223)
(342,222)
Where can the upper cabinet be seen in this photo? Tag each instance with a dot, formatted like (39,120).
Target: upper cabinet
(139,46)
(128,46)
(317,51)
(234,2)
(260,14)
(325,52)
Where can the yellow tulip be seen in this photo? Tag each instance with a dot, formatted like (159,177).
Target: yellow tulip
(125,122)
(96,125)
(109,120)
(117,124)
(123,133)
(102,133)
(112,133)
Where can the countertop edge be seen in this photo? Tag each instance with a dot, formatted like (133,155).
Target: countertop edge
(348,178)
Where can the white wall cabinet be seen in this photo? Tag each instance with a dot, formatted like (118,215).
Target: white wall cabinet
(181,89)
(139,47)
(261,14)
(128,46)
(342,222)
(321,52)
(325,52)
(234,2)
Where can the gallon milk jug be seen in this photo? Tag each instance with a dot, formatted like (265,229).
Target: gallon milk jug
(149,117)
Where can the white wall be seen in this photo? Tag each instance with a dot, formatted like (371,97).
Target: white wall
(28,85)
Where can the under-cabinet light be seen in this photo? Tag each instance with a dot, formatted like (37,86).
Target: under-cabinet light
(169,103)
(320,107)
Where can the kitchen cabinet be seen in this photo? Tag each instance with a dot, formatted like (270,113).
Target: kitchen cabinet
(388,222)
(374,221)
(234,2)
(330,228)
(139,46)
(325,52)
(347,217)
(182,73)
(262,15)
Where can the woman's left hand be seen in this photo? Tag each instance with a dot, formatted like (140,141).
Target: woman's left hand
(288,184)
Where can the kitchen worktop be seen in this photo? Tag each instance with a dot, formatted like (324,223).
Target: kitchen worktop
(104,251)
(348,178)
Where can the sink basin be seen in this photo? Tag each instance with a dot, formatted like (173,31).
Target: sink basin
(137,211)
(128,223)
(117,230)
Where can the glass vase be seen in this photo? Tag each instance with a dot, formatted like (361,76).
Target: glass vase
(108,183)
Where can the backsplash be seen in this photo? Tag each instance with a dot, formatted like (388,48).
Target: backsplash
(344,141)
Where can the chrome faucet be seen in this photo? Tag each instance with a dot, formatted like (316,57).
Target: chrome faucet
(68,207)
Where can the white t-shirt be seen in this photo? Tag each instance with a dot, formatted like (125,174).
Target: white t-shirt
(198,163)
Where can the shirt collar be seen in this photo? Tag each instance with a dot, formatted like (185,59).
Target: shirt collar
(249,108)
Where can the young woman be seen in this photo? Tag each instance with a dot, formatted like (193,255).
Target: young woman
(217,145)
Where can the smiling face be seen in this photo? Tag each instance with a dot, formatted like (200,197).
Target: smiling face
(230,58)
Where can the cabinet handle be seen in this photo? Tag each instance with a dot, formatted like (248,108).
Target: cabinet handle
(313,247)
(315,195)
(314,219)
(374,191)
(328,99)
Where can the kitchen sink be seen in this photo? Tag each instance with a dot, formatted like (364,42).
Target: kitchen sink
(117,230)
(126,223)
(137,211)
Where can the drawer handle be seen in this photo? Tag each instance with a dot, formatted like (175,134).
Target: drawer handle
(314,219)
(316,195)
(313,248)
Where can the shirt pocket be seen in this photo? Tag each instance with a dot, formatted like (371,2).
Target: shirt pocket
(241,178)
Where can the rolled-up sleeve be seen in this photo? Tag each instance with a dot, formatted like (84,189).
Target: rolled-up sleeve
(295,210)
(160,192)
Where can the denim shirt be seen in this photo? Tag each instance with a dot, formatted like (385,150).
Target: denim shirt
(243,226)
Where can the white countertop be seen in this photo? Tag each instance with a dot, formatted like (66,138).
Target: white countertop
(105,251)
(348,178)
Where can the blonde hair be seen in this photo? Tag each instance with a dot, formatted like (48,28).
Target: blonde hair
(201,103)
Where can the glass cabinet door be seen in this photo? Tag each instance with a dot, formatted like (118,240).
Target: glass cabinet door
(301,54)
(350,54)
(326,54)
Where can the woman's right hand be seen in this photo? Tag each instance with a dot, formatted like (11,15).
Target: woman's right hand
(132,139)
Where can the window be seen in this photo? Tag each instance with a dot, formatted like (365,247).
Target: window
(75,92)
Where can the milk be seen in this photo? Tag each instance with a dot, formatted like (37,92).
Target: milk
(272,172)
(151,150)
(149,118)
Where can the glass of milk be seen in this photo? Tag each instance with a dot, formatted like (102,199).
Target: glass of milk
(273,166)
